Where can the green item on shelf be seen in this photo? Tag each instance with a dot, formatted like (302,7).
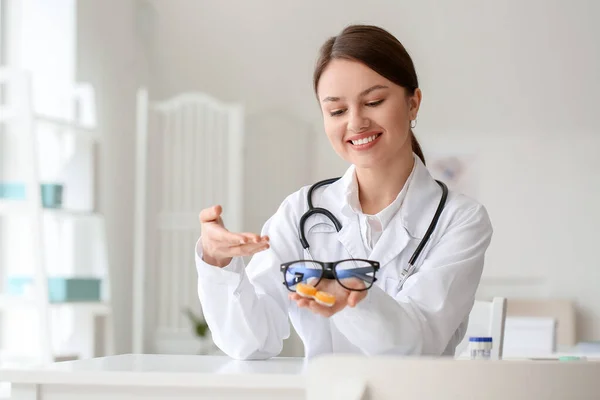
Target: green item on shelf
(52,195)
(60,289)
(12,191)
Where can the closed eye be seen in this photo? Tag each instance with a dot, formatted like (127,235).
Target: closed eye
(336,112)
(375,103)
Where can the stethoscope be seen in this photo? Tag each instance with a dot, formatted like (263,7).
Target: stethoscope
(406,271)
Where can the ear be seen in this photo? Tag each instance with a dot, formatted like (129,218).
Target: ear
(414,102)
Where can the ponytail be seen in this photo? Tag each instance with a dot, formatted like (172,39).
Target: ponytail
(416,147)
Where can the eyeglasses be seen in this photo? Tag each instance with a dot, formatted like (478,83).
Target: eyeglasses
(312,272)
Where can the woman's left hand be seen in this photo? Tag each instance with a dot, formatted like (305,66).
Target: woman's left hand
(343,296)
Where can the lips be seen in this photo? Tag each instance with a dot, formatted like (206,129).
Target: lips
(365,143)
(364,139)
(362,136)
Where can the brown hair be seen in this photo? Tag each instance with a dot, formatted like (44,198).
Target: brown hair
(378,50)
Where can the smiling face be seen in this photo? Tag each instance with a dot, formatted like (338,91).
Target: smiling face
(366,116)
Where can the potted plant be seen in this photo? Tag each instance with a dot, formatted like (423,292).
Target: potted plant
(201,331)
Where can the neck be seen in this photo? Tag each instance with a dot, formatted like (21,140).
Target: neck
(379,186)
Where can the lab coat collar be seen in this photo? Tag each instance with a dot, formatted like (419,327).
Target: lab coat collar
(349,236)
(418,208)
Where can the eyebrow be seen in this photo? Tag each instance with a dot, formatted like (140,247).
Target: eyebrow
(363,93)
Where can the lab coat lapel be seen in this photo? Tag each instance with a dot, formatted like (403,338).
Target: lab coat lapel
(411,222)
(413,218)
(392,242)
(349,236)
(422,199)
(334,198)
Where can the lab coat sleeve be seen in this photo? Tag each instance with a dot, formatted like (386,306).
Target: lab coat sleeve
(423,317)
(246,308)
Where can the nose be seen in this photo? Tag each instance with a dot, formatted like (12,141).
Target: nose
(358,122)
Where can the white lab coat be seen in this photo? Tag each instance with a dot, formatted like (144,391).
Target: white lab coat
(247,308)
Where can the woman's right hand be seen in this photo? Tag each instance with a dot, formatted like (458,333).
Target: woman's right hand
(219,245)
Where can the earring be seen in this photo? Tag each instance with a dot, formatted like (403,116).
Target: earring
(413,123)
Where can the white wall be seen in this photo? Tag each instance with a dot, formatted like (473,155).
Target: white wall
(111,59)
(513,82)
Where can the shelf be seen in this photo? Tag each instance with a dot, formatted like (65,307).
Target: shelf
(96,308)
(8,207)
(10,359)
(67,125)
(59,213)
(20,207)
(7,114)
(23,123)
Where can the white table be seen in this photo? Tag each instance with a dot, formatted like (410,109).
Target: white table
(153,377)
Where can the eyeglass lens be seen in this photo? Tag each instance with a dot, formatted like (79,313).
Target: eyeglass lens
(349,271)
(305,272)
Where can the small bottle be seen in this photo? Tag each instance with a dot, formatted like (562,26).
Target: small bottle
(480,347)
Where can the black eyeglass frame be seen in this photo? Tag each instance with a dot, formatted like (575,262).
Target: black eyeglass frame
(328,271)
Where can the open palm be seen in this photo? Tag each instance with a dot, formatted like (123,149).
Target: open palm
(343,297)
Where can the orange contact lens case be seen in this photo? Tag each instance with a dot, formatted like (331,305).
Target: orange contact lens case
(325,298)
(305,290)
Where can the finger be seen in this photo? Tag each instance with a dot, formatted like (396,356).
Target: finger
(227,238)
(300,301)
(294,296)
(223,235)
(253,237)
(227,249)
(303,302)
(247,249)
(211,214)
(356,297)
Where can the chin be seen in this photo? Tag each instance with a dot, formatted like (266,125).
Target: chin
(366,162)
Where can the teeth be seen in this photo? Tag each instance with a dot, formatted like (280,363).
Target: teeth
(365,140)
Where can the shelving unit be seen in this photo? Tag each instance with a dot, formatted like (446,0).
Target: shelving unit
(20,111)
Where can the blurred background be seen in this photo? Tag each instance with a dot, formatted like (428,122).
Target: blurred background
(122,119)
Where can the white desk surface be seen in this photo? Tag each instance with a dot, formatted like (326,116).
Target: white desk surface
(160,377)
(181,371)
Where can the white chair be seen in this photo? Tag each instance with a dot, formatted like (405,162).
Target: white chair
(486,319)
(190,155)
(354,377)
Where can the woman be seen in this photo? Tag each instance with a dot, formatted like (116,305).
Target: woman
(367,88)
